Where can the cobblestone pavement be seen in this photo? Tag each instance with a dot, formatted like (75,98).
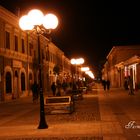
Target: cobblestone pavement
(83,112)
(22,116)
(101,115)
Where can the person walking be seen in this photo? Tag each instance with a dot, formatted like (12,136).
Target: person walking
(34,89)
(59,86)
(64,86)
(53,88)
(104,84)
(126,83)
(130,83)
(108,84)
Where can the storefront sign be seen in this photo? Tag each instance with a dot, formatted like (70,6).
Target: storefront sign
(17,64)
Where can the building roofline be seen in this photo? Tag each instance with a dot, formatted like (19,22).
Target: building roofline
(110,51)
(121,47)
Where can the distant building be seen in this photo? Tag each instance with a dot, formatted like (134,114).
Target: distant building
(122,61)
(19,59)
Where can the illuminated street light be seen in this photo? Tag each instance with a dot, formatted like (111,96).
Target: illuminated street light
(79,61)
(90,74)
(35,20)
(76,62)
(84,69)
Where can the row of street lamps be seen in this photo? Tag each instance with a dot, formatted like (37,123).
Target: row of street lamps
(79,62)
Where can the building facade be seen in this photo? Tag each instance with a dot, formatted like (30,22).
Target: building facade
(19,59)
(122,62)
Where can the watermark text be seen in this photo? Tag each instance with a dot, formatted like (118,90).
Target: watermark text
(132,125)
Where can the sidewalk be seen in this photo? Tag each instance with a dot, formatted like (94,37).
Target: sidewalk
(117,109)
(101,115)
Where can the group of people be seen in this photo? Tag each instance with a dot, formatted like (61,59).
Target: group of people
(56,88)
(128,85)
(106,84)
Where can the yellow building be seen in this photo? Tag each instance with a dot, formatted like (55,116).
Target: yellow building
(19,59)
(123,61)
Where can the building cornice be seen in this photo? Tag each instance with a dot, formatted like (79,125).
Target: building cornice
(132,60)
(9,16)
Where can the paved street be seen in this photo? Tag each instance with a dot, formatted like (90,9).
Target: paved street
(101,115)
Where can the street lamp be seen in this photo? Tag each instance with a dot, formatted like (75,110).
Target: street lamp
(35,20)
(90,74)
(84,69)
(76,62)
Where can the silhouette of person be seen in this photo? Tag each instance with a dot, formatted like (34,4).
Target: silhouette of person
(130,83)
(126,83)
(108,84)
(58,88)
(34,89)
(104,84)
(64,86)
(53,88)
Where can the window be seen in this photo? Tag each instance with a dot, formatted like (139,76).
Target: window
(22,81)
(16,73)
(8,83)
(16,43)
(23,47)
(30,49)
(7,35)
(47,57)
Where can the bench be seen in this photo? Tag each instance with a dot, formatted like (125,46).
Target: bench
(58,104)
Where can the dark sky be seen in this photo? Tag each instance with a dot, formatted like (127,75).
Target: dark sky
(88,28)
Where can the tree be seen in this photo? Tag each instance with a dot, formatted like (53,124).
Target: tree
(56,70)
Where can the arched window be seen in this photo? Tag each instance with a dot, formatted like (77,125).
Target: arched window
(8,82)
(22,81)
(16,73)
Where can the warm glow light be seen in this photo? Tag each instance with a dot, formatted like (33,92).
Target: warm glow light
(50,21)
(90,74)
(73,61)
(85,69)
(78,61)
(36,17)
(25,24)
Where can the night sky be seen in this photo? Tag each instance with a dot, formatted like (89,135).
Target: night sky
(88,28)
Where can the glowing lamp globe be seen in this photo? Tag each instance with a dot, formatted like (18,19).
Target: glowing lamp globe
(80,61)
(25,24)
(73,61)
(50,21)
(36,17)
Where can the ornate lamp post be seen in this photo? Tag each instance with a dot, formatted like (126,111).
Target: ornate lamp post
(36,21)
